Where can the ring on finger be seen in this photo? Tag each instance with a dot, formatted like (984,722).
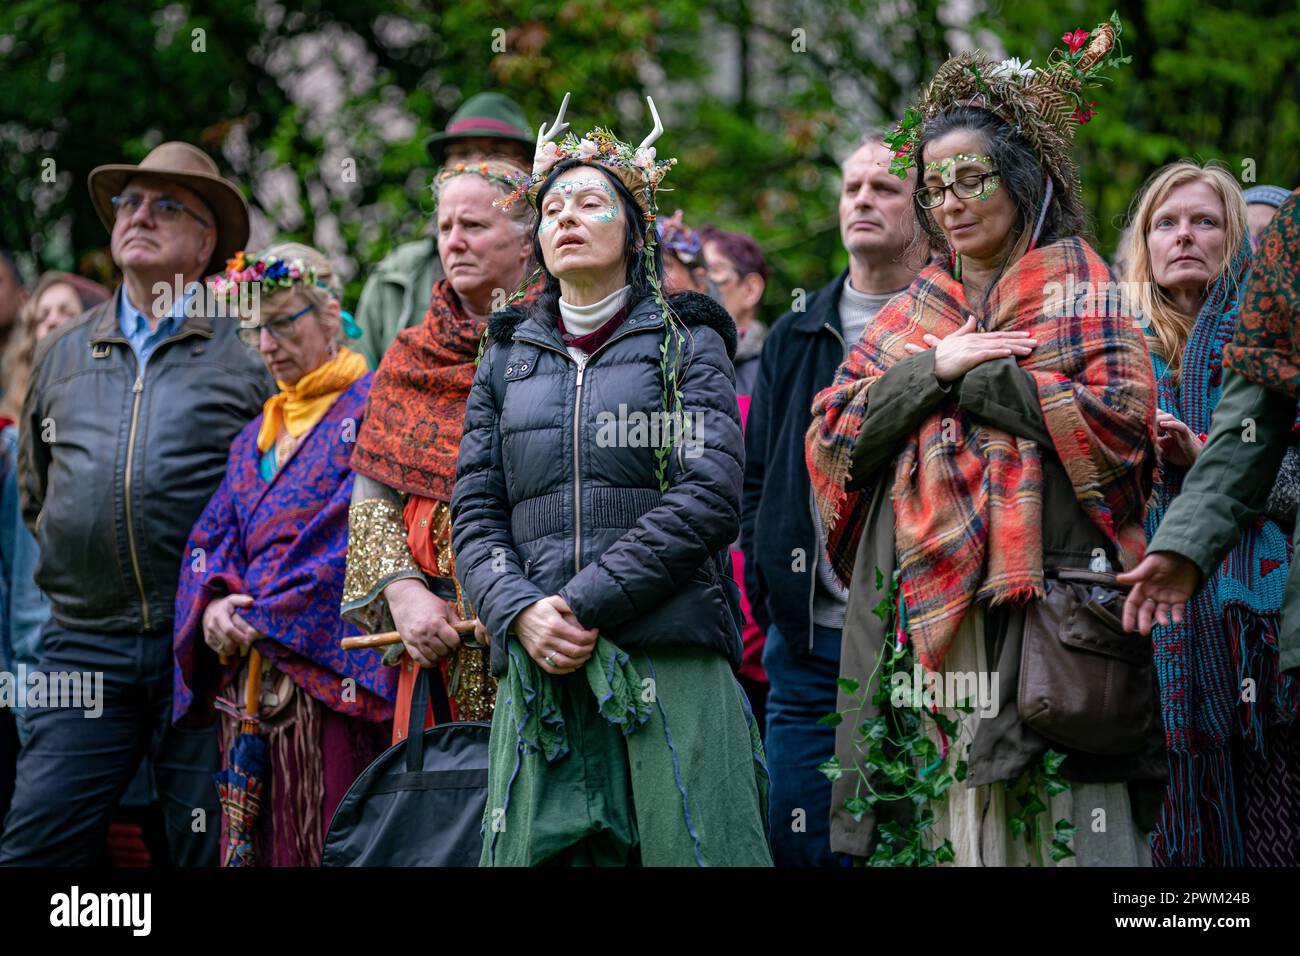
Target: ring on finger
(550,659)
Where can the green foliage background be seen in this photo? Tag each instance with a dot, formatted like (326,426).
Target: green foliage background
(760,100)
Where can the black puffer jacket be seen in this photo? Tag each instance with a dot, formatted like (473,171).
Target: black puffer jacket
(540,509)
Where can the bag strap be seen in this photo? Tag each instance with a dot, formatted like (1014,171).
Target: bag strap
(428,690)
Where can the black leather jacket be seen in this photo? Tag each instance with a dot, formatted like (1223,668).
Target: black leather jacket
(116,466)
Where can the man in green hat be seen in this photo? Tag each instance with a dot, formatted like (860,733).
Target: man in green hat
(396,294)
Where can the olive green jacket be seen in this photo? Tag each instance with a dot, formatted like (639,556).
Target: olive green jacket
(1229,484)
(1004,396)
(396,296)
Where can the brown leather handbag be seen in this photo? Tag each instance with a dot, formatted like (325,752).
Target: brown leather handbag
(1085,683)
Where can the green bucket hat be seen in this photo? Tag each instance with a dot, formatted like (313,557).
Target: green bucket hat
(485,114)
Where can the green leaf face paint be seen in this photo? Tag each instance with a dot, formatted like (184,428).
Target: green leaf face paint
(593,198)
(969,185)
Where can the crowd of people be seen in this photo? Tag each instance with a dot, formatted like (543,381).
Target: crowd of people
(680,557)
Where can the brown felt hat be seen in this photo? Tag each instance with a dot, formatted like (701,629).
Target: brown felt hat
(192,168)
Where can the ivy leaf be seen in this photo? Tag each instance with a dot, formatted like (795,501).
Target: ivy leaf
(960,770)
(856,806)
(880,579)
(1052,761)
(1016,824)
(945,723)
(1065,831)
(1059,851)
(847,684)
(945,853)
(833,719)
(890,832)
(1055,785)
(882,610)
(1034,806)
(831,768)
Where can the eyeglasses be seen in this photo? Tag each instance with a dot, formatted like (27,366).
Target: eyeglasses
(280,328)
(163,209)
(966,187)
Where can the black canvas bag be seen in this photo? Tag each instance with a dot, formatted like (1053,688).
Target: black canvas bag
(421,802)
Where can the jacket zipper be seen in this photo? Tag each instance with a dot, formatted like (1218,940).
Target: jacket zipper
(812,513)
(577,411)
(577,473)
(138,391)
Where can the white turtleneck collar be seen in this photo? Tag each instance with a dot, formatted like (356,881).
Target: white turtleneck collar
(585,319)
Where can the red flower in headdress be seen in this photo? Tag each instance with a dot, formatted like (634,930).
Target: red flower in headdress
(1084,112)
(1075,40)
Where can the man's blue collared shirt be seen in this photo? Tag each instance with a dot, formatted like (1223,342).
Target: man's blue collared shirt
(135,326)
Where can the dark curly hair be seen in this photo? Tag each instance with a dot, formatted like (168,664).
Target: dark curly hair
(547,301)
(1021,173)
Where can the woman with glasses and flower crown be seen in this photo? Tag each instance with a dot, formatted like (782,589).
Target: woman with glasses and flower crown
(597,491)
(263,573)
(982,462)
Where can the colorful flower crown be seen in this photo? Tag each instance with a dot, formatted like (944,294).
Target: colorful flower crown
(1045,104)
(270,272)
(494,171)
(635,166)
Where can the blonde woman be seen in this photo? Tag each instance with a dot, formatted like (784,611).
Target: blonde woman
(1189,258)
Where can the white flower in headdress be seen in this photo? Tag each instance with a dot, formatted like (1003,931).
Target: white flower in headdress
(587,149)
(1013,69)
(545,158)
(644,158)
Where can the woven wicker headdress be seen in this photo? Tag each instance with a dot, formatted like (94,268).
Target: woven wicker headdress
(1046,104)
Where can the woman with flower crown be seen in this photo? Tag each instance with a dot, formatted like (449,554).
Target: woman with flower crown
(401,575)
(597,492)
(264,566)
(982,461)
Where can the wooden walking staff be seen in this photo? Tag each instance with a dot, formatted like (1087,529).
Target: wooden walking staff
(387,638)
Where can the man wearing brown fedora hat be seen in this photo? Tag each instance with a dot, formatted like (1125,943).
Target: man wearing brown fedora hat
(124,437)
(396,293)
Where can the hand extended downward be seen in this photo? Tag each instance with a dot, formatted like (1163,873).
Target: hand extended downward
(958,352)
(552,636)
(1162,584)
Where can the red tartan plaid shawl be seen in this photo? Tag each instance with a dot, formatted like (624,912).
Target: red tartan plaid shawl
(968,497)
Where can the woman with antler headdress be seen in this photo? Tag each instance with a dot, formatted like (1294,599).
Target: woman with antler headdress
(981,462)
(597,491)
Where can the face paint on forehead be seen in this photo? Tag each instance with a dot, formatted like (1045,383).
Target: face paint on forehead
(607,213)
(947,168)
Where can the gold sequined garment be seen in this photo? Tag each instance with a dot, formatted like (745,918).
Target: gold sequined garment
(377,555)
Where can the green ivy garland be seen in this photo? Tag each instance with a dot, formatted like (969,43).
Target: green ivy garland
(903,769)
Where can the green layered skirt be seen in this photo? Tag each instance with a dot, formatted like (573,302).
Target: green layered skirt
(639,758)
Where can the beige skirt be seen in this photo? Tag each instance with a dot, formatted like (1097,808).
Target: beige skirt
(977,818)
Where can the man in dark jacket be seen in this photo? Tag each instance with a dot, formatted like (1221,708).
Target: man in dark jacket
(124,436)
(793,592)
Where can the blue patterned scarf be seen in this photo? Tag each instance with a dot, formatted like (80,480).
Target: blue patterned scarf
(1217,670)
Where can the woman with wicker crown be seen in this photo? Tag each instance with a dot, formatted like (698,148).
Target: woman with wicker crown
(597,491)
(987,444)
